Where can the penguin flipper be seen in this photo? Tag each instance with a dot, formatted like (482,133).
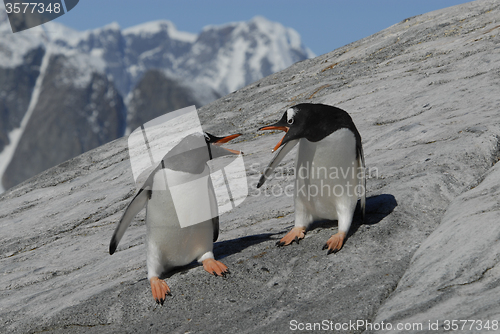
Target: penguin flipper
(362,180)
(136,205)
(276,160)
(214,209)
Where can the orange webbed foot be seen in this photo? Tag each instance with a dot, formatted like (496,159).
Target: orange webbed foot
(335,243)
(215,267)
(297,233)
(159,289)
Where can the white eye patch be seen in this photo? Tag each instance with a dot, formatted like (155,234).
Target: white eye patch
(290,113)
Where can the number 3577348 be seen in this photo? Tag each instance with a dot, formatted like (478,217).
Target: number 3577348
(32,7)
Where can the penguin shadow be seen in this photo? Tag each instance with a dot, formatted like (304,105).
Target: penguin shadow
(228,247)
(223,249)
(377,208)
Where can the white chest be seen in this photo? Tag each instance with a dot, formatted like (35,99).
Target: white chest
(326,175)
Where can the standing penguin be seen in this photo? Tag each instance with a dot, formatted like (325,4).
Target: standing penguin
(168,243)
(329,168)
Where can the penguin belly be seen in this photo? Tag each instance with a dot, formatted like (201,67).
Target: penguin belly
(168,244)
(326,179)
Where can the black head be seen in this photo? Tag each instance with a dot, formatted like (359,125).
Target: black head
(312,122)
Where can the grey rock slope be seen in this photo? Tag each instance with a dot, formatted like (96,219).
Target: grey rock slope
(424,95)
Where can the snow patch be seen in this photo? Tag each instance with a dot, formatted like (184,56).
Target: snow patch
(235,72)
(57,32)
(13,47)
(80,68)
(154,27)
(253,50)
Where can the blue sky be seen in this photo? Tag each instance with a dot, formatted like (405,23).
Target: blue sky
(324,25)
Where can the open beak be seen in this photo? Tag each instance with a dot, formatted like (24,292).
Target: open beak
(221,140)
(226,139)
(274,127)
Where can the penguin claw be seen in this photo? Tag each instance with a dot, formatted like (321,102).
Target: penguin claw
(335,243)
(159,289)
(215,267)
(295,234)
(330,251)
(325,246)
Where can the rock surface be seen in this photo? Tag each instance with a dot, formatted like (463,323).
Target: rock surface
(424,95)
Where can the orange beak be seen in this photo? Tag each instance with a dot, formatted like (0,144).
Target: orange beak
(226,139)
(232,151)
(281,128)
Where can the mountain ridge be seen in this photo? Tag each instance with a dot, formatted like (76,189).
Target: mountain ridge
(202,73)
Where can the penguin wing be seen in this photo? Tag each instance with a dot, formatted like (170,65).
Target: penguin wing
(214,209)
(362,180)
(276,160)
(215,224)
(136,205)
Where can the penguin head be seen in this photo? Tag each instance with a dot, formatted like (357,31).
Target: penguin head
(195,150)
(310,121)
(295,122)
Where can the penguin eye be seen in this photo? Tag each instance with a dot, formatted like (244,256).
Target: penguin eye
(290,121)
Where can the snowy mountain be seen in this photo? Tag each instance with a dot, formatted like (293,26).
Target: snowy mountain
(63,92)
(223,58)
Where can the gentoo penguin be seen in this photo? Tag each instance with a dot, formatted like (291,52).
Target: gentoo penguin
(168,244)
(329,168)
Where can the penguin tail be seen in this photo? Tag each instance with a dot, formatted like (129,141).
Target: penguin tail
(136,205)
